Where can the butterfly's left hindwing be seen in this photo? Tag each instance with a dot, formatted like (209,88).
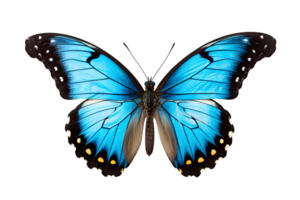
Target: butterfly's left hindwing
(202,133)
(98,129)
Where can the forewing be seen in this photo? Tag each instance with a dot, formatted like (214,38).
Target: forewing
(217,69)
(81,70)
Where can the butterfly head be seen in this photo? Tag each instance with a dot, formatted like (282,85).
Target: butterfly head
(149,83)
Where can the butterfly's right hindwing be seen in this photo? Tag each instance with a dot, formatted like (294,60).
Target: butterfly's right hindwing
(195,134)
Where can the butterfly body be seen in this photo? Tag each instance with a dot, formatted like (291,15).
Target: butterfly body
(150,100)
(107,128)
(149,135)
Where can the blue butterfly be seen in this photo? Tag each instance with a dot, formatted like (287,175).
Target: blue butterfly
(106,129)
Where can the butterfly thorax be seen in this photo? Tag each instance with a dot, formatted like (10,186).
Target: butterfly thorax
(150,98)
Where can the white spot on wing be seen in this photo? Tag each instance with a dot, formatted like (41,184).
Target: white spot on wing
(69,133)
(40,37)
(262,37)
(204,169)
(68,120)
(226,147)
(230,134)
(230,121)
(219,160)
(73,146)
(100,170)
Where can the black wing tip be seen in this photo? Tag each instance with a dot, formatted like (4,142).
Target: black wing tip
(268,38)
(36,42)
(34,46)
(27,47)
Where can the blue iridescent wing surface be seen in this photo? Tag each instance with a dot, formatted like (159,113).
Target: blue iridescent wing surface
(195,130)
(98,129)
(81,70)
(202,133)
(107,128)
(217,69)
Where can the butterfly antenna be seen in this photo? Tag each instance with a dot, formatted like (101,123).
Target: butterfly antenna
(164,61)
(135,60)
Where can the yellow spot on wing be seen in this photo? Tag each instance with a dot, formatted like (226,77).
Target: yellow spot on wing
(101,160)
(88,151)
(78,140)
(226,147)
(213,152)
(122,170)
(230,134)
(113,162)
(179,171)
(200,160)
(188,162)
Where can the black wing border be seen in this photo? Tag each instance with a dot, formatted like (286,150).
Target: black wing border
(202,48)
(29,47)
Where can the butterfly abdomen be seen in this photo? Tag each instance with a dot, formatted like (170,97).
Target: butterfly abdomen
(149,140)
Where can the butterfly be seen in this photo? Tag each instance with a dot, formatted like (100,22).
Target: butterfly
(106,129)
